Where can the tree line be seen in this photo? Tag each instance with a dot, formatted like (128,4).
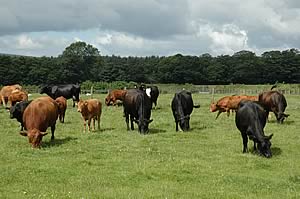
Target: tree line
(81,62)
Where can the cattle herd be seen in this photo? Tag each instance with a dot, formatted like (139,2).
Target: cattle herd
(37,115)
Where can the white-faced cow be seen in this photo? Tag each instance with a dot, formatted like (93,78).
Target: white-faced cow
(66,90)
(153,93)
(250,120)
(275,102)
(182,107)
(40,114)
(138,106)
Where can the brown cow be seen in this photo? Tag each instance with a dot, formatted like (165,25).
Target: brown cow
(62,106)
(90,110)
(275,102)
(6,91)
(115,95)
(227,103)
(40,114)
(17,96)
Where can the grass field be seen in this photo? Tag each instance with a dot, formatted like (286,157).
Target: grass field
(206,162)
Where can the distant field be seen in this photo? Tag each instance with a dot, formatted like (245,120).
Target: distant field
(206,162)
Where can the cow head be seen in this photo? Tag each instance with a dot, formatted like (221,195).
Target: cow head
(35,137)
(81,105)
(143,125)
(108,100)
(264,147)
(45,89)
(14,110)
(213,107)
(184,123)
(281,117)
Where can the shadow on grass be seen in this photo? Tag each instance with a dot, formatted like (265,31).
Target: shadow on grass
(155,131)
(275,151)
(287,122)
(57,142)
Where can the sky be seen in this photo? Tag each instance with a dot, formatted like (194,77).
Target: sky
(149,27)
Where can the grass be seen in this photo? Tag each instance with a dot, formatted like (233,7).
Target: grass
(206,162)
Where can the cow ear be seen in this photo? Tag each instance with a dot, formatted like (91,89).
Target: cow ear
(269,137)
(24,133)
(85,103)
(43,133)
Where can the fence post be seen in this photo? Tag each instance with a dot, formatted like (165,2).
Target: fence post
(92,89)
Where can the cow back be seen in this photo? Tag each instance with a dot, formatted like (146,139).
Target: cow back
(40,114)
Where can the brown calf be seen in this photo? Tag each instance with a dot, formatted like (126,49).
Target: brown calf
(227,103)
(62,106)
(40,114)
(90,110)
(113,96)
(17,96)
(6,91)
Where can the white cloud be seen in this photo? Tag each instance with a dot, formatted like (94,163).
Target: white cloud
(25,42)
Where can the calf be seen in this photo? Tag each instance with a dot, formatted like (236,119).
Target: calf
(251,119)
(182,107)
(40,114)
(7,90)
(62,106)
(137,105)
(17,111)
(17,96)
(113,96)
(90,110)
(227,103)
(275,102)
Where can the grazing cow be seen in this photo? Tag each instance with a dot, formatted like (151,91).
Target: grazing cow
(227,103)
(153,93)
(17,96)
(6,91)
(66,90)
(62,106)
(182,107)
(113,96)
(251,119)
(90,110)
(17,111)
(40,114)
(275,102)
(137,105)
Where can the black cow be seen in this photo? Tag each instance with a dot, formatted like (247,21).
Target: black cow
(66,90)
(17,111)
(275,102)
(137,105)
(153,93)
(251,119)
(182,107)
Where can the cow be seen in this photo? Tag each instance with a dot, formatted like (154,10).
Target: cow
(66,90)
(138,106)
(62,106)
(17,96)
(251,119)
(40,114)
(113,96)
(227,103)
(182,107)
(153,93)
(275,102)
(17,110)
(6,91)
(90,110)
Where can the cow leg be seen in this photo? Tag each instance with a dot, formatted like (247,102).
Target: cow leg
(176,123)
(228,113)
(84,125)
(89,124)
(94,123)
(73,103)
(245,142)
(63,117)
(218,114)
(254,146)
(52,131)
(131,122)
(98,120)
(3,101)
(127,120)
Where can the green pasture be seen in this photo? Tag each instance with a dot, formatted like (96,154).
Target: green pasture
(206,162)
